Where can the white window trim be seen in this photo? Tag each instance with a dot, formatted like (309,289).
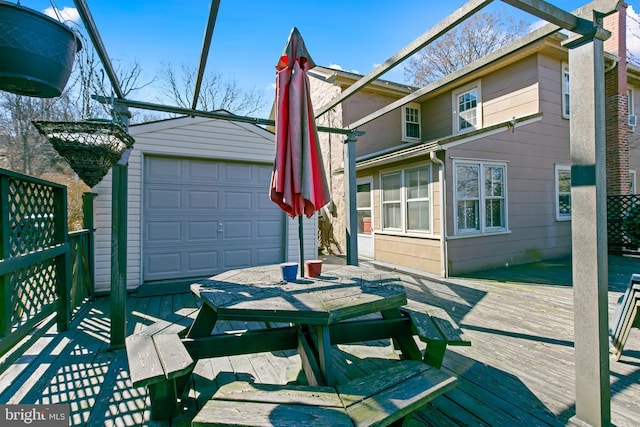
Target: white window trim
(633,180)
(454,104)
(406,138)
(559,168)
(630,107)
(484,231)
(403,203)
(368,180)
(564,90)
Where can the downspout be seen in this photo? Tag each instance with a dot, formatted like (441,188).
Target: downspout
(443,218)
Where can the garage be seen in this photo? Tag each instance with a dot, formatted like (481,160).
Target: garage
(197,204)
(202,217)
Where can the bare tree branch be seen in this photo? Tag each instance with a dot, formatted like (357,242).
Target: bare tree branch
(475,38)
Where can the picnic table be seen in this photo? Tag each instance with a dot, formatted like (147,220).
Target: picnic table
(344,305)
(317,313)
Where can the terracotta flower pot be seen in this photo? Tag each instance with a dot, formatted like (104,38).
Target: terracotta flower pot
(313,268)
(37,52)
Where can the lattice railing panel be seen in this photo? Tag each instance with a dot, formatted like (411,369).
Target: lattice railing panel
(31,209)
(34,289)
(617,209)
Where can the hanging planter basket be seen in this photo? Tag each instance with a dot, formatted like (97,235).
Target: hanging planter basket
(90,147)
(37,52)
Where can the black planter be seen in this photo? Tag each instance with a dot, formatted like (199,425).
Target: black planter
(36,52)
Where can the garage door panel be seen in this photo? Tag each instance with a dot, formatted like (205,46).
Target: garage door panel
(238,200)
(234,230)
(268,256)
(199,199)
(238,172)
(202,230)
(161,198)
(268,228)
(162,168)
(203,170)
(238,258)
(203,261)
(163,264)
(210,216)
(164,231)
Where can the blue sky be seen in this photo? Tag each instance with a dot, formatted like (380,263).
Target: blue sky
(354,35)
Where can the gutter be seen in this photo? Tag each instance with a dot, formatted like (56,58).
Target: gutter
(443,218)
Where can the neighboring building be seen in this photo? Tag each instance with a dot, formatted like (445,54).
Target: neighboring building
(198,204)
(475,173)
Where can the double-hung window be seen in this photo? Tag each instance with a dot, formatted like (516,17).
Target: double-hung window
(480,197)
(405,200)
(565,90)
(563,192)
(467,108)
(411,122)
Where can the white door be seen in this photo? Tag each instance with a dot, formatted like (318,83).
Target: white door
(203,217)
(364,206)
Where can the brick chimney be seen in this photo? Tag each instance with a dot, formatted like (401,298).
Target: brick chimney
(616,115)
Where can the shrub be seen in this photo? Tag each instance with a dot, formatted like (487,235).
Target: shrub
(75,189)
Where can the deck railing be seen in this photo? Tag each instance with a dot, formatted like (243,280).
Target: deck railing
(617,209)
(44,269)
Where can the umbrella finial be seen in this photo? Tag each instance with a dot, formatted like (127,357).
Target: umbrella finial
(295,50)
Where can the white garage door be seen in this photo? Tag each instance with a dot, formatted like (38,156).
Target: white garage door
(203,217)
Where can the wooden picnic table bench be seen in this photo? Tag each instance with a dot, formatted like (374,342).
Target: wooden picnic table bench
(161,363)
(437,329)
(625,317)
(379,399)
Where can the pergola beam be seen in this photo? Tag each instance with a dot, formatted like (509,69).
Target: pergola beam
(90,25)
(204,54)
(442,27)
(210,114)
(553,14)
(604,7)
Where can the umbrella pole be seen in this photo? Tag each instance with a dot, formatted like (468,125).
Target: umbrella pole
(301,242)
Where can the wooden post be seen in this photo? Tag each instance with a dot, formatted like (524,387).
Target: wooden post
(589,228)
(63,261)
(5,250)
(88,223)
(351,214)
(118,255)
(119,194)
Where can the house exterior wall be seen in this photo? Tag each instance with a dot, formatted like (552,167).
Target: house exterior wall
(533,233)
(526,89)
(393,247)
(182,137)
(531,153)
(378,135)
(510,92)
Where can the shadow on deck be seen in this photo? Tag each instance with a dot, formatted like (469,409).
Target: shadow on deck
(518,371)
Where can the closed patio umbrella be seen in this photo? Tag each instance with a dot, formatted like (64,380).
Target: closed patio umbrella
(298,182)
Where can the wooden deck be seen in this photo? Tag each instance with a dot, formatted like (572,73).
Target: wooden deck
(518,371)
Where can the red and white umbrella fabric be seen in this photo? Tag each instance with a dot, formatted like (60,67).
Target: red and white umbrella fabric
(298,183)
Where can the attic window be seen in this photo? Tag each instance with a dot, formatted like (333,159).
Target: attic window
(411,122)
